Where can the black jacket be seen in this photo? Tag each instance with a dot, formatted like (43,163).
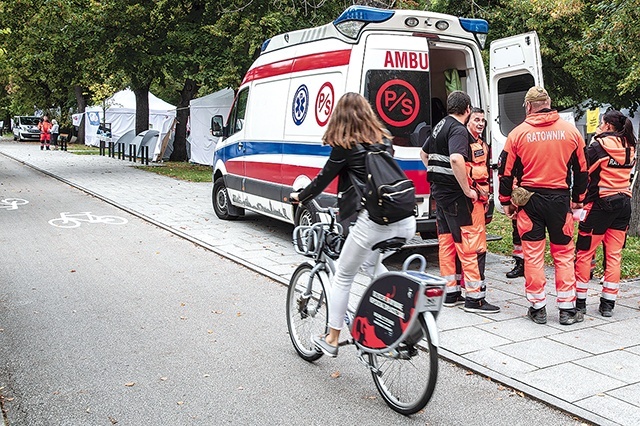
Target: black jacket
(341,161)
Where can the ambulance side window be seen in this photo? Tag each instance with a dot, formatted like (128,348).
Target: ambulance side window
(511,91)
(236,118)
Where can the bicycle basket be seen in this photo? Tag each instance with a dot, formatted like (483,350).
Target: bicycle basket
(305,240)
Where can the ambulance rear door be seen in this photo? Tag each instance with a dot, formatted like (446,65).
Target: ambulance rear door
(396,81)
(514,67)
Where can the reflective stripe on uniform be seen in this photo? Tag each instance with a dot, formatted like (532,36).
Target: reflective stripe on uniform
(439,157)
(537,300)
(438,169)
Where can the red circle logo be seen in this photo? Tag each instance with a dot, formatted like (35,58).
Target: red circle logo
(398,103)
(324,104)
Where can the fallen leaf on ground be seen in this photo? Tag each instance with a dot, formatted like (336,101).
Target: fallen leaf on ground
(130,384)
(335,374)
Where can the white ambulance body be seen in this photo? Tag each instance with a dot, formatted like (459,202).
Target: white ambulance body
(400,60)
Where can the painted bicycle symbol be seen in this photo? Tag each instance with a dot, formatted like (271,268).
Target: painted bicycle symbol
(67,220)
(12,203)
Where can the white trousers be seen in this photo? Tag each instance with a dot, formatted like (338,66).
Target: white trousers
(363,235)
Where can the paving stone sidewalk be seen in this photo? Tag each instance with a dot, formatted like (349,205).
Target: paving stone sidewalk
(591,369)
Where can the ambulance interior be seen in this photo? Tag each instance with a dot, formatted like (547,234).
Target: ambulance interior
(452,62)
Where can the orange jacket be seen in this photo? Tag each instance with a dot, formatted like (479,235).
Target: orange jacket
(45,127)
(477,172)
(542,153)
(610,165)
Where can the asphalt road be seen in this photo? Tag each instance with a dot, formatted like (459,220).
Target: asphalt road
(128,324)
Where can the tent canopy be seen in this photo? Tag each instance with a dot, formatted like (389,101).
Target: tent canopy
(200,112)
(121,114)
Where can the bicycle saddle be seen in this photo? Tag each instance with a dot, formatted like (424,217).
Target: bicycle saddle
(390,244)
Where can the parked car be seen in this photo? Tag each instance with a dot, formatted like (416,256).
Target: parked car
(26,128)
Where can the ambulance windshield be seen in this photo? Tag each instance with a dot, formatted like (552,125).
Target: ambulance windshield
(402,101)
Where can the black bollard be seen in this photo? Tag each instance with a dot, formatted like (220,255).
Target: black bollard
(102,148)
(111,150)
(146,155)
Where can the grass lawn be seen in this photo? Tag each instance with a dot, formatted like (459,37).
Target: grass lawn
(82,149)
(183,171)
(501,225)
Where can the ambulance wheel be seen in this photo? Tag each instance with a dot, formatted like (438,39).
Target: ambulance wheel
(305,216)
(221,201)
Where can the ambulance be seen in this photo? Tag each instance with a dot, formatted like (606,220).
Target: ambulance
(405,62)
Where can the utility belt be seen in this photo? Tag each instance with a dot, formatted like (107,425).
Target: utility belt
(612,203)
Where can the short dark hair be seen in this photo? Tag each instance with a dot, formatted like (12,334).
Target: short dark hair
(458,102)
(476,110)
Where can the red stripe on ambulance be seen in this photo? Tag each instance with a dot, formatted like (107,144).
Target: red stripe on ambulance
(314,61)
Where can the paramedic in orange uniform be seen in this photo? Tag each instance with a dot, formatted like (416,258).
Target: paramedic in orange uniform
(611,156)
(546,155)
(459,205)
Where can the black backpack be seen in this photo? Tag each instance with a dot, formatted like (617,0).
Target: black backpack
(389,195)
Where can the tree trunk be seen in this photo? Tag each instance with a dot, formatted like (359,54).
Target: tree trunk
(82,106)
(187,93)
(142,108)
(634,224)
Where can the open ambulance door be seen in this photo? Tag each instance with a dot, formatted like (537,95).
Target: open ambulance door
(514,67)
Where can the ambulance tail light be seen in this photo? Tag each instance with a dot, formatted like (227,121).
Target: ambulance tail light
(479,28)
(354,19)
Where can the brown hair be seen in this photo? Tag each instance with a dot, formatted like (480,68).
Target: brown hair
(622,125)
(353,121)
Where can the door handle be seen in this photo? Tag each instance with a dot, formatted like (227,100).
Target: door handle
(240,146)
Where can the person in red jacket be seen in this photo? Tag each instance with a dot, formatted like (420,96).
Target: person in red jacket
(45,133)
(546,156)
(611,157)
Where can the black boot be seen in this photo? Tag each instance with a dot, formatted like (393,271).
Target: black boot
(606,307)
(518,270)
(581,305)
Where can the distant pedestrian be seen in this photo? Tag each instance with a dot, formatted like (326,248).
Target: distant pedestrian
(611,158)
(460,205)
(45,133)
(55,131)
(545,154)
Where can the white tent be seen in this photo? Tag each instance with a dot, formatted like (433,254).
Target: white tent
(200,112)
(121,113)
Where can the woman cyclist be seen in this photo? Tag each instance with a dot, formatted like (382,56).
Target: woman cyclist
(352,125)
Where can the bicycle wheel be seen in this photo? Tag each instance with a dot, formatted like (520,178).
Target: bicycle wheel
(62,222)
(407,377)
(112,220)
(306,311)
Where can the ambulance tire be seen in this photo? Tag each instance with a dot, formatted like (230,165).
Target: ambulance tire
(306,215)
(221,201)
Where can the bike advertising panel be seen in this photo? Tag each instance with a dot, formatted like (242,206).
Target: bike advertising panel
(386,311)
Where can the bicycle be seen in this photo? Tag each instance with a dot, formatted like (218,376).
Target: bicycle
(393,327)
(67,220)
(12,203)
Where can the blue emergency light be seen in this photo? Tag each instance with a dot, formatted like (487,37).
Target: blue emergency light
(479,28)
(365,14)
(354,19)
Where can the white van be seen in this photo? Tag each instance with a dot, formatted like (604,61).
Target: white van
(402,61)
(25,128)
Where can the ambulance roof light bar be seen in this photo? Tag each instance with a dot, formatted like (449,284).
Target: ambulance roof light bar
(353,20)
(479,28)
